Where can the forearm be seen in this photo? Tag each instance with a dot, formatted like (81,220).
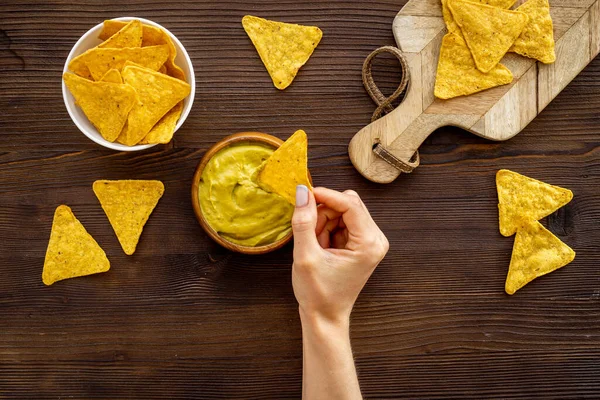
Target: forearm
(329,371)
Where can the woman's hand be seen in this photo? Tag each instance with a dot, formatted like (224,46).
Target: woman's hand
(337,246)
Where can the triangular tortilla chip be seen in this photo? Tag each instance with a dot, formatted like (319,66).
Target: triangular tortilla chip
(522,199)
(129,36)
(283,48)
(157,94)
(152,36)
(449,19)
(99,61)
(164,129)
(78,66)
(113,76)
(537,40)
(128,204)
(112,26)
(536,252)
(105,104)
(72,251)
(158,36)
(287,168)
(457,74)
(489,31)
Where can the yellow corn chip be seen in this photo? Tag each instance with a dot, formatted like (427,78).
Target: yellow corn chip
(130,63)
(152,36)
(158,36)
(537,40)
(157,94)
(105,104)
(449,19)
(99,61)
(283,48)
(128,204)
(164,129)
(72,251)
(287,168)
(522,199)
(129,36)
(163,70)
(112,26)
(536,252)
(489,31)
(457,74)
(113,76)
(77,65)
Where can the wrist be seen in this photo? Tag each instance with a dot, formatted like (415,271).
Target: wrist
(328,363)
(324,324)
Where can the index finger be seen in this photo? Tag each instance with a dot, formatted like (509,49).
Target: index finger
(324,215)
(354,214)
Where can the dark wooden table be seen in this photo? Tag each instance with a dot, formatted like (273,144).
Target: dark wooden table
(183,318)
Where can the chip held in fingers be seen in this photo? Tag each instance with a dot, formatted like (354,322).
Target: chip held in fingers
(522,199)
(488,31)
(72,251)
(283,48)
(128,205)
(287,168)
(536,252)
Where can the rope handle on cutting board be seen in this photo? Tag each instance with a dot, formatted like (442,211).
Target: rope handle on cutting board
(384,104)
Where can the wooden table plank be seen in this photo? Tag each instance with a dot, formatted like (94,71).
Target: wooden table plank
(183,318)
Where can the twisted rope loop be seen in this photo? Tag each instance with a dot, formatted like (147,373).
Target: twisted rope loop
(384,104)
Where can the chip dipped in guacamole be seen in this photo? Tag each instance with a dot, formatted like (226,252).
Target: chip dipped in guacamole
(232,202)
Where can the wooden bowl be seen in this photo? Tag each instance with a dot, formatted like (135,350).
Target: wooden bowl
(228,141)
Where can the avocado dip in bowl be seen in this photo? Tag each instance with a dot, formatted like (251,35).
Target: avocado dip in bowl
(228,202)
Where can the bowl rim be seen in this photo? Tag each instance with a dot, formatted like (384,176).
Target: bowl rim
(100,140)
(223,143)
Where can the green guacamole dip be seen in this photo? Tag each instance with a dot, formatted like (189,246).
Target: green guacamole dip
(233,203)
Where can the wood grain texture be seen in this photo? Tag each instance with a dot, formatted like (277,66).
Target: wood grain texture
(496,114)
(183,318)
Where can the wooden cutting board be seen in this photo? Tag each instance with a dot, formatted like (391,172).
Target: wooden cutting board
(496,114)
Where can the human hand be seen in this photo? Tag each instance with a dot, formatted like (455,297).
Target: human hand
(337,246)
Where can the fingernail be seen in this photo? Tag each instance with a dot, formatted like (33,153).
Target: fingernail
(301,196)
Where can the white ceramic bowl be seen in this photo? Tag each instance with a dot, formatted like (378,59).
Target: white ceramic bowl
(89,40)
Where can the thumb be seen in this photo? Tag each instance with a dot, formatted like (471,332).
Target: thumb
(304,223)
